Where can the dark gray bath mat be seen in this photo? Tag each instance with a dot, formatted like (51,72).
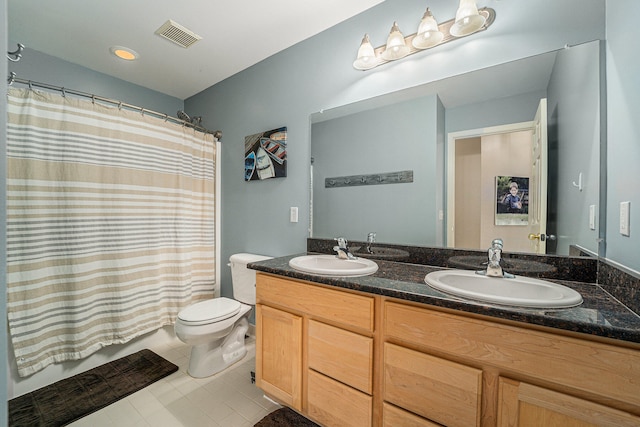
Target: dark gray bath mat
(285,417)
(60,403)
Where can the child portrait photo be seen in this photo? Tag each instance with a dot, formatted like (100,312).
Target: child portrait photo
(512,200)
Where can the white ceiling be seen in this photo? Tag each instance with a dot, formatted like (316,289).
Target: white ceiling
(235,35)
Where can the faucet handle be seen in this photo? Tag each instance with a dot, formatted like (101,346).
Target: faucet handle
(342,242)
(497,242)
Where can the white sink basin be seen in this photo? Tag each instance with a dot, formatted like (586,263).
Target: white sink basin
(519,291)
(330,265)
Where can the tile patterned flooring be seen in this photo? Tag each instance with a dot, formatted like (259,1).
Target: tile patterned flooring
(227,399)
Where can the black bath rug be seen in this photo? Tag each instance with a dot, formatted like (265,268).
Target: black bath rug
(285,417)
(65,401)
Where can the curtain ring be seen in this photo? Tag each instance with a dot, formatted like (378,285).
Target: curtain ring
(93,99)
(120,105)
(166,117)
(30,85)
(142,111)
(64,93)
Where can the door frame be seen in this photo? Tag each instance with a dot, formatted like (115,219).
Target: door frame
(450,184)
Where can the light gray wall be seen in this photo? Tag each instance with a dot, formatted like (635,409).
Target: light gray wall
(623,129)
(3,220)
(43,68)
(574,110)
(494,112)
(317,73)
(394,138)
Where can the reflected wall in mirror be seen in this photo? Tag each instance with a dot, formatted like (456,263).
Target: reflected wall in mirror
(409,130)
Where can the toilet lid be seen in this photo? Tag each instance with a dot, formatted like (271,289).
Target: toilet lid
(209,311)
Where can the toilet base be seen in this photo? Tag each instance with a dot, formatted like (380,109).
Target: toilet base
(210,358)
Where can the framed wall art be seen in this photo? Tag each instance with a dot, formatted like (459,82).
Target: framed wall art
(265,155)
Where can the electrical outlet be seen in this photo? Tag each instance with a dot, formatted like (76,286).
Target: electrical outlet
(625,208)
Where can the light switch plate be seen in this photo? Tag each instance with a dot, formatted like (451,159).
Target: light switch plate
(293,214)
(592,217)
(625,208)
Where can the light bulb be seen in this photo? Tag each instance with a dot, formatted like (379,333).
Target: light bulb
(428,34)
(396,48)
(468,20)
(366,55)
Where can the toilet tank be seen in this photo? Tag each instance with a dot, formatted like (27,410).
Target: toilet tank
(244,279)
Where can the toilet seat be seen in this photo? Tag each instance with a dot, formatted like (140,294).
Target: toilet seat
(210,311)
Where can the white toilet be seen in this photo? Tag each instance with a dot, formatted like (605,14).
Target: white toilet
(216,328)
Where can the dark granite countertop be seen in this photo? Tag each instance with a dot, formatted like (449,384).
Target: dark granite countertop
(600,314)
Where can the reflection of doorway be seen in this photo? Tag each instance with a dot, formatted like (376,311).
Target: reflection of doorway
(475,158)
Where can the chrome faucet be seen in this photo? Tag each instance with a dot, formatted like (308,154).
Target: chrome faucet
(495,254)
(371,239)
(494,269)
(342,249)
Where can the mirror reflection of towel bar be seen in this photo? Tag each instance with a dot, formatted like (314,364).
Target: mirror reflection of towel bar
(401,177)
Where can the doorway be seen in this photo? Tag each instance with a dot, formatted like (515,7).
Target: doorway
(481,162)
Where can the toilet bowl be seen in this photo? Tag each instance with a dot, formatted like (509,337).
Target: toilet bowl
(216,328)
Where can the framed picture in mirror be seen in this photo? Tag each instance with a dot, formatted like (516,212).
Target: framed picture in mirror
(512,200)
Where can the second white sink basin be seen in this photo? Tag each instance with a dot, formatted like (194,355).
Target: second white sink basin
(330,265)
(519,291)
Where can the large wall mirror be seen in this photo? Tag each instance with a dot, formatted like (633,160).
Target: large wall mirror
(385,165)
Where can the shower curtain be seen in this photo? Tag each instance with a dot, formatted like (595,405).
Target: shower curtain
(110,225)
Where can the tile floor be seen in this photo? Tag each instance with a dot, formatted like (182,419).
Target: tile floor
(227,399)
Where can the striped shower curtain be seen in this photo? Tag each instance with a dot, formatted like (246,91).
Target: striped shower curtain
(110,225)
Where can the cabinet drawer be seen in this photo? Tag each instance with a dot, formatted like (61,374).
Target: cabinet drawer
(587,366)
(333,305)
(440,390)
(392,416)
(331,403)
(342,355)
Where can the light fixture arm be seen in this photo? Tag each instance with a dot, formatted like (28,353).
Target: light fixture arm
(488,13)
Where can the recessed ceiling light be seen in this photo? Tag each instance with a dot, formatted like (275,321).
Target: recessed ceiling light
(124,53)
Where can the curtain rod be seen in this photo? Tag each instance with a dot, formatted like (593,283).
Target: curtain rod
(13,79)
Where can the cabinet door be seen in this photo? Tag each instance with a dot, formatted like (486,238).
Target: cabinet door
(525,405)
(279,355)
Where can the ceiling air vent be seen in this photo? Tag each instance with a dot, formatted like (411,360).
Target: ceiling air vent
(178,34)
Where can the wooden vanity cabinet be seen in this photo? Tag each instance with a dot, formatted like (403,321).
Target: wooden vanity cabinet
(528,377)
(319,351)
(328,373)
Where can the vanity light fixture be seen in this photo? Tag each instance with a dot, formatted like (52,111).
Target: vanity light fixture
(469,20)
(124,53)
